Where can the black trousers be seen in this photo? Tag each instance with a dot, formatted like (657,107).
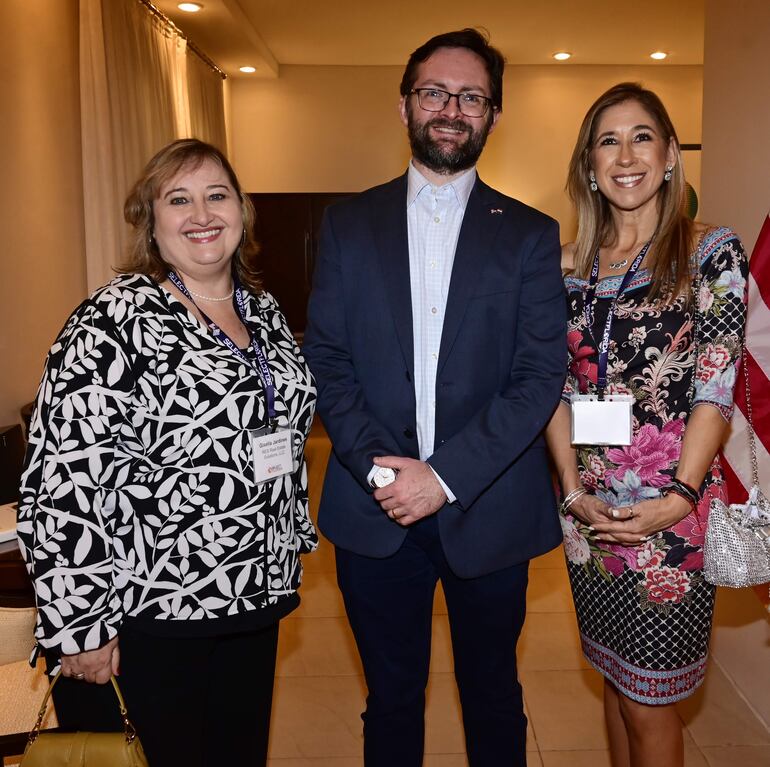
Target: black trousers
(194,702)
(389,604)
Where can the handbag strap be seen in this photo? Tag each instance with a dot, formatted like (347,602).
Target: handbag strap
(128,728)
(750,420)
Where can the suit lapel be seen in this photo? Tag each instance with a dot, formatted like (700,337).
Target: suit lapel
(481,223)
(391,235)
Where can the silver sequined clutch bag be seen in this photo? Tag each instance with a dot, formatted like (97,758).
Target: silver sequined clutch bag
(737,551)
(737,548)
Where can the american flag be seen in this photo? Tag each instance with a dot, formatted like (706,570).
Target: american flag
(737,463)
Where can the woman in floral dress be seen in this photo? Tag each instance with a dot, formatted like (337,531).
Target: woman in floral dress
(636,514)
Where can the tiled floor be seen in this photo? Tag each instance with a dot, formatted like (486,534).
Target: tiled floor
(320,692)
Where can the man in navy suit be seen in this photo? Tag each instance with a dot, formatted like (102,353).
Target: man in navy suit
(436,334)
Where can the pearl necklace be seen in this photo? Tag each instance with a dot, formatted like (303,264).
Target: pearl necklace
(208,298)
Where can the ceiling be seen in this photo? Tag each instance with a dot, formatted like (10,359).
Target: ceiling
(270,33)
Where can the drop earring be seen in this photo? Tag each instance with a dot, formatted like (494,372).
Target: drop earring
(668,173)
(594,186)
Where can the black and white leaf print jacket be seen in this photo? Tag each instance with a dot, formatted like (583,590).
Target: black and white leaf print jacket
(137,497)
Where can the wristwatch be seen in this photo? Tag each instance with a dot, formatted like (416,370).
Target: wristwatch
(383,477)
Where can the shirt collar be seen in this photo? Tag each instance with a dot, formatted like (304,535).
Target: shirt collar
(461,186)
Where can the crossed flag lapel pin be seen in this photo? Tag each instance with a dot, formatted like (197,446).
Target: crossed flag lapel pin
(494,211)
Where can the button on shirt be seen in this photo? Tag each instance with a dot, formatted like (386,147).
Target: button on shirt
(434,217)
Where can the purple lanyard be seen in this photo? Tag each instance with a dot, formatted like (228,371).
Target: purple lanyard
(588,312)
(261,367)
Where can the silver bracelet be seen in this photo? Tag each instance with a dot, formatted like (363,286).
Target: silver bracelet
(571,498)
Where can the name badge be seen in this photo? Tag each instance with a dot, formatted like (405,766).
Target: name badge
(601,422)
(272,454)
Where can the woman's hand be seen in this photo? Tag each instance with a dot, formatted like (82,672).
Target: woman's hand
(94,665)
(633,525)
(589,509)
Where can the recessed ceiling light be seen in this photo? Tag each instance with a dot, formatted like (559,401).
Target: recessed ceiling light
(247,70)
(190,7)
(658,55)
(562,56)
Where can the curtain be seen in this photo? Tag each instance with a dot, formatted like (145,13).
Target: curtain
(206,101)
(140,89)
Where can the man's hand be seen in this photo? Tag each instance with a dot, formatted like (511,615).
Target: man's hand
(94,665)
(415,494)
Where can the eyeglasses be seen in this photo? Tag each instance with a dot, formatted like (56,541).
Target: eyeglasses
(434,100)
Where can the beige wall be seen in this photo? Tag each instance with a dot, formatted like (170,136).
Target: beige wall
(337,128)
(42,269)
(736,115)
(736,192)
(305,131)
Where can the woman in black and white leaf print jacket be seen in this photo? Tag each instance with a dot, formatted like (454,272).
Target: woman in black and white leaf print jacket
(164,500)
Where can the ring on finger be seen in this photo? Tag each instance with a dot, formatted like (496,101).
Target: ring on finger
(80,677)
(631,512)
(393,514)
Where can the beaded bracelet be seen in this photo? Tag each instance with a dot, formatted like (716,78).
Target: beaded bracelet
(684,491)
(571,498)
(691,492)
(673,490)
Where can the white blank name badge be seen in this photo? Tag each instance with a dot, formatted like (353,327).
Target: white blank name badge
(601,422)
(272,454)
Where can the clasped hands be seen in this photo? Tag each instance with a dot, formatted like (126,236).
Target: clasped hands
(93,665)
(416,493)
(630,525)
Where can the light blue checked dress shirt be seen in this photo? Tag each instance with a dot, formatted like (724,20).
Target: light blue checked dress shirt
(434,217)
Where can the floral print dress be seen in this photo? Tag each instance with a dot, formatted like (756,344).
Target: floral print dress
(645,612)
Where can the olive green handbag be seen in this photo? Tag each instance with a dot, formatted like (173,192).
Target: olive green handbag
(84,749)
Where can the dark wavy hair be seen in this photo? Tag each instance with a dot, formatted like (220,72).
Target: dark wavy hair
(474,41)
(143,255)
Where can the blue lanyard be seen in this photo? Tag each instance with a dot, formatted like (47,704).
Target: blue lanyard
(262,368)
(588,311)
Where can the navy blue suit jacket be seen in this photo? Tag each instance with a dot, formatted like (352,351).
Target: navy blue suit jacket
(501,367)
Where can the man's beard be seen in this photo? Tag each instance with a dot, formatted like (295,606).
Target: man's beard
(441,157)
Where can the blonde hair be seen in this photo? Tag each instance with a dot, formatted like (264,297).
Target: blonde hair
(672,241)
(143,255)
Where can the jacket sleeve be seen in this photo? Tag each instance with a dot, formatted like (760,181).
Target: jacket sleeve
(505,426)
(356,434)
(68,510)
